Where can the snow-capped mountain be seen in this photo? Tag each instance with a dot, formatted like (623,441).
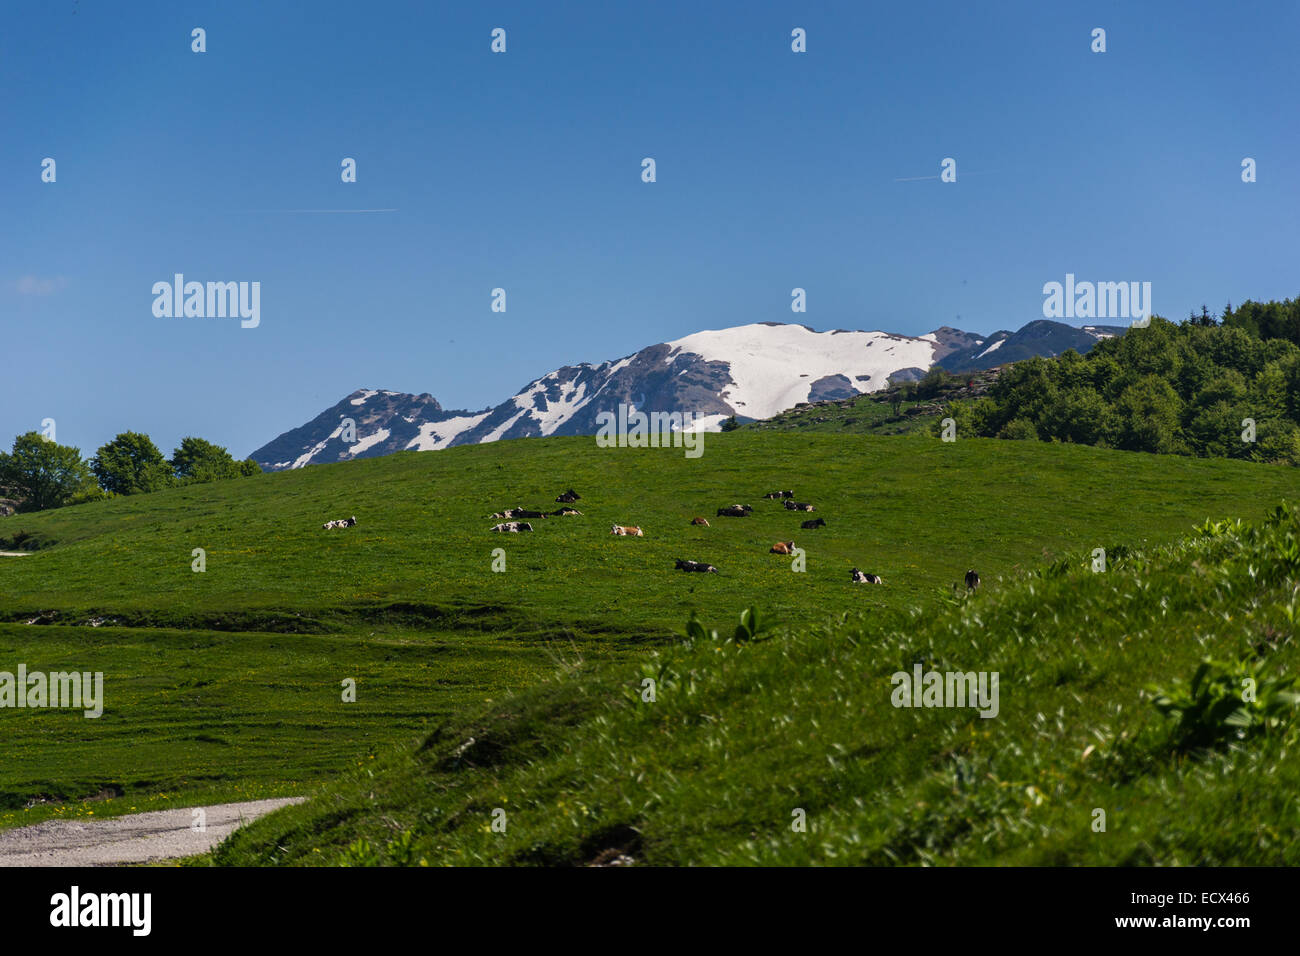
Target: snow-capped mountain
(750,371)
(1043,337)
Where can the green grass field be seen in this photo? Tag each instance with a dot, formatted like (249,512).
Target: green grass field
(741,737)
(226,684)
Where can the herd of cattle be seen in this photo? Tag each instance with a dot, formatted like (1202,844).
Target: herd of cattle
(730,511)
(972,580)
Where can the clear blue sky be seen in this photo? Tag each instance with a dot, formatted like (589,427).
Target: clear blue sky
(522,171)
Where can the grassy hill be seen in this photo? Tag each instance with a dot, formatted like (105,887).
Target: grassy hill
(227,683)
(742,737)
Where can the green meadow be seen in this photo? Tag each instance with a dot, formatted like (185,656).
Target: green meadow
(226,684)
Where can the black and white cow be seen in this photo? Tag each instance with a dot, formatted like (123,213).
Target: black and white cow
(513,526)
(696,566)
(735,511)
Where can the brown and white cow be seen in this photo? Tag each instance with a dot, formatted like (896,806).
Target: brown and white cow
(629,530)
(782,547)
(701,521)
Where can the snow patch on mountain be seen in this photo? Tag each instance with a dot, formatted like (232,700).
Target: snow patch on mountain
(773,367)
(369,441)
(435,435)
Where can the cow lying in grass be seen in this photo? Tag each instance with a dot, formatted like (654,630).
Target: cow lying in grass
(340,523)
(514,526)
(798,506)
(565,512)
(696,566)
(779,494)
(569,497)
(860,577)
(631,531)
(782,547)
(734,511)
(518,513)
(703,522)
(814,523)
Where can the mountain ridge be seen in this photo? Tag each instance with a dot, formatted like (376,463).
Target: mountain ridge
(751,371)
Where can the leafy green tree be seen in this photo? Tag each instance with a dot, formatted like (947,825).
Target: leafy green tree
(1020,429)
(131,464)
(1149,413)
(197,460)
(1080,416)
(730,424)
(1279,441)
(43,474)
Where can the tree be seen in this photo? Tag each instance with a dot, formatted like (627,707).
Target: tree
(42,473)
(197,460)
(730,424)
(131,464)
(1149,411)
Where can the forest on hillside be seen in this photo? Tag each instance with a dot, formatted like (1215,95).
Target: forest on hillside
(1223,386)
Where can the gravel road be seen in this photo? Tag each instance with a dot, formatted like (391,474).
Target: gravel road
(135,838)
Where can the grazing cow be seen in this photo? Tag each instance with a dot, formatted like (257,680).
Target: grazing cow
(798,506)
(779,494)
(860,577)
(972,580)
(696,566)
(782,547)
(814,523)
(514,526)
(569,497)
(565,512)
(700,521)
(735,511)
(630,530)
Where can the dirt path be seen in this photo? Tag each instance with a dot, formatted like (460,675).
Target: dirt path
(135,838)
